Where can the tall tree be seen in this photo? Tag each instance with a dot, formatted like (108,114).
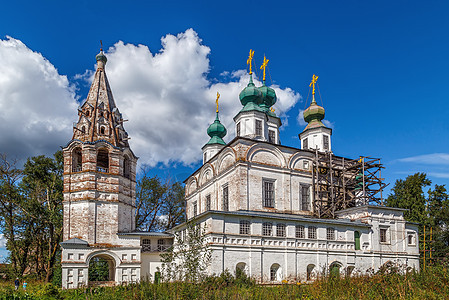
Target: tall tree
(409,194)
(160,204)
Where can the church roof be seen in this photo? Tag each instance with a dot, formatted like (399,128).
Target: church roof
(99,117)
(74,242)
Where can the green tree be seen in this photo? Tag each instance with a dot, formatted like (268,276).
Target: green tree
(438,209)
(190,256)
(160,204)
(409,194)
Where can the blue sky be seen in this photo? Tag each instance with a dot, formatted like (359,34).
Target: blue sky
(383,72)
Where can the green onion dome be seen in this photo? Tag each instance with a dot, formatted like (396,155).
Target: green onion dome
(313,115)
(101,57)
(216,131)
(268,97)
(250,94)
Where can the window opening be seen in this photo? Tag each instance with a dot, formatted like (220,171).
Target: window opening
(357,240)
(271,136)
(267,229)
(161,245)
(305,143)
(103,160)
(208,202)
(330,234)
(280,230)
(312,232)
(383,235)
(238,129)
(226,198)
(325,142)
(127,167)
(268,193)
(245,227)
(258,127)
(77,162)
(300,232)
(146,245)
(305,196)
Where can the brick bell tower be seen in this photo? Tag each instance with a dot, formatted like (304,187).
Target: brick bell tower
(99,169)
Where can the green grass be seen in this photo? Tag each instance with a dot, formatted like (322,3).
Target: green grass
(431,284)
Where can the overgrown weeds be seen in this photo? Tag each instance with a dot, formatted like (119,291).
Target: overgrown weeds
(433,283)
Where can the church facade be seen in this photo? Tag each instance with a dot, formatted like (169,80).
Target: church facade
(255,197)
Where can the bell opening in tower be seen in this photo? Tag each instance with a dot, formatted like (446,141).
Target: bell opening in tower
(103,160)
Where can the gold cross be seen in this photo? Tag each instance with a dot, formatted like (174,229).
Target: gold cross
(264,66)
(249,60)
(314,79)
(216,101)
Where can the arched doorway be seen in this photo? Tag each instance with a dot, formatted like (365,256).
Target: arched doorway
(241,270)
(334,269)
(275,272)
(310,274)
(101,270)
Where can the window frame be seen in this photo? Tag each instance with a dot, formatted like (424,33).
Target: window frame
(208,203)
(225,197)
(325,142)
(267,229)
(300,231)
(245,227)
(305,143)
(258,127)
(312,232)
(268,201)
(281,229)
(271,136)
(384,235)
(305,202)
(195,208)
(330,234)
(238,129)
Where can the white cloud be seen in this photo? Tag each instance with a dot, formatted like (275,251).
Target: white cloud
(169,99)
(439,174)
(428,159)
(37,104)
(2,241)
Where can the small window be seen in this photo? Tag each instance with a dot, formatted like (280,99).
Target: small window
(77,160)
(83,129)
(87,113)
(271,136)
(267,229)
(208,202)
(161,245)
(205,157)
(126,167)
(238,129)
(195,209)
(325,142)
(274,276)
(330,234)
(411,239)
(383,235)
(280,230)
(357,240)
(312,232)
(103,160)
(305,197)
(305,165)
(268,193)
(300,232)
(226,198)
(102,129)
(305,143)
(245,227)
(258,127)
(146,245)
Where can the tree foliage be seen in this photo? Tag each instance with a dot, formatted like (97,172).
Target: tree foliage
(190,256)
(429,209)
(31,211)
(160,204)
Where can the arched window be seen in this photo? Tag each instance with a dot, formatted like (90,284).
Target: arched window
(76,160)
(83,129)
(357,240)
(103,160)
(102,130)
(87,113)
(275,272)
(126,167)
(310,271)
(240,270)
(349,270)
(334,269)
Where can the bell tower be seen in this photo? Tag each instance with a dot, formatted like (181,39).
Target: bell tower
(99,169)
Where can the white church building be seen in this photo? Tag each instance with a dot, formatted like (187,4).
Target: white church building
(261,202)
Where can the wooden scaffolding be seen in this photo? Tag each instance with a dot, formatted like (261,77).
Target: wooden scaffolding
(340,183)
